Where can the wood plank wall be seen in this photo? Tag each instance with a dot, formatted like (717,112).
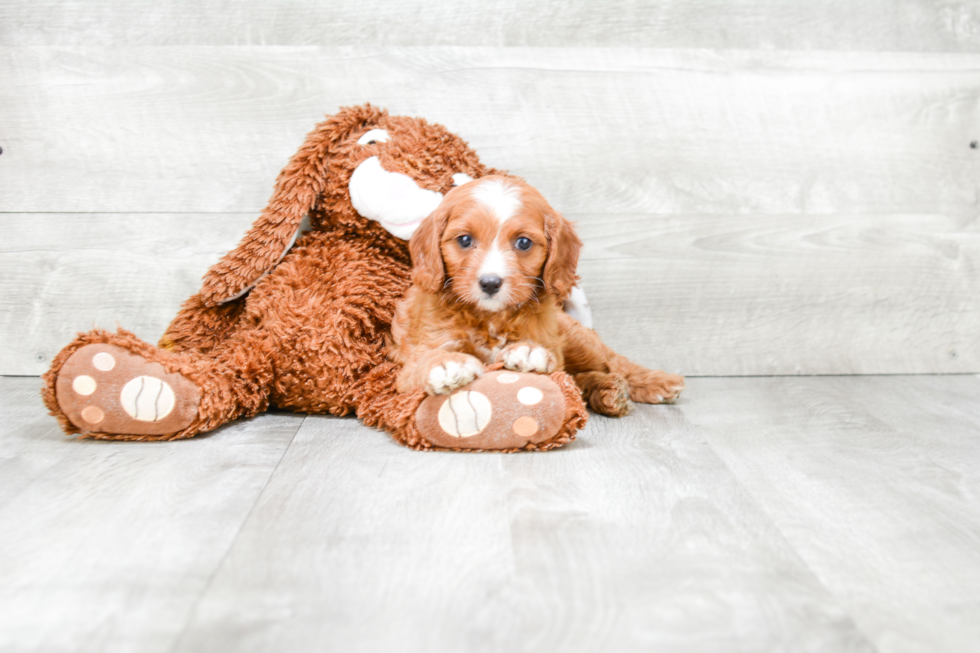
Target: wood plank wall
(764,187)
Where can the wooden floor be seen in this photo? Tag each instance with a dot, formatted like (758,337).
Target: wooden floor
(758,514)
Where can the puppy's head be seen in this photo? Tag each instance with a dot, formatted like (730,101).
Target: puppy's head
(495,243)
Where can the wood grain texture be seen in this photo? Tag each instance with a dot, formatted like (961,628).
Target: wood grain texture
(949,25)
(597,130)
(26,438)
(106,546)
(874,481)
(65,273)
(803,514)
(365,545)
(696,294)
(803,294)
(819,208)
(635,538)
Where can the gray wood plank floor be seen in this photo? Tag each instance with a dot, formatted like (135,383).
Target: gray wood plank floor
(757,514)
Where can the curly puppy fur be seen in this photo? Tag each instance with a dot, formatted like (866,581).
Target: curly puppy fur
(486,287)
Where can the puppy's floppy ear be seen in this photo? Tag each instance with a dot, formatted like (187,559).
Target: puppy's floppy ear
(428,270)
(563,247)
(298,189)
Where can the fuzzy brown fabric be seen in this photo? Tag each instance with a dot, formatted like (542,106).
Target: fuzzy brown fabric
(310,335)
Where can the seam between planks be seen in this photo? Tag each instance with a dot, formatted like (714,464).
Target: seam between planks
(234,541)
(750,496)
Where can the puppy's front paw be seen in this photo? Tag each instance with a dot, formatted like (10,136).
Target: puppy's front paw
(451,374)
(528,358)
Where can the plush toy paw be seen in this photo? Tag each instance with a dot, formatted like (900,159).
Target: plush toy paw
(104,388)
(528,357)
(452,373)
(500,411)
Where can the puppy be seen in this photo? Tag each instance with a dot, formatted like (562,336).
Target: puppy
(491,267)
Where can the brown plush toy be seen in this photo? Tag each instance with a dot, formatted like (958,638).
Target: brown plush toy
(300,321)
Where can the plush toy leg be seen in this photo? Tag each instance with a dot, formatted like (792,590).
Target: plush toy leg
(115,386)
(500,411)
(198,327)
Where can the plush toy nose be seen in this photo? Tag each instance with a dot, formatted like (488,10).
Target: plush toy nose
(490,284)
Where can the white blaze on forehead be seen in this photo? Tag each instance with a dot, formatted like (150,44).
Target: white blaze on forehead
(502,199)
(390,198)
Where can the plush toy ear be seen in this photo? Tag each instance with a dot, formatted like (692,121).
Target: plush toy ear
(428,270)
(563,247)
(297,191)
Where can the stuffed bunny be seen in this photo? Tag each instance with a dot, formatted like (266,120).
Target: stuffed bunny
(298,314)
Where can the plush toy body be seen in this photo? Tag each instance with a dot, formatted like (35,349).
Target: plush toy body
(300,321)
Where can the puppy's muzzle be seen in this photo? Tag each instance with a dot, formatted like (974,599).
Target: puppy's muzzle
(490,284)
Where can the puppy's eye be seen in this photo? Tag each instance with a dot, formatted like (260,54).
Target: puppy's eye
(523,244)
(465,241)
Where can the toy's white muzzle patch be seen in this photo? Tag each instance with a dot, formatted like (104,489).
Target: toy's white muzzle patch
(390,198)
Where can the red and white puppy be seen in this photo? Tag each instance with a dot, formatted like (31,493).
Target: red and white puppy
(491,267)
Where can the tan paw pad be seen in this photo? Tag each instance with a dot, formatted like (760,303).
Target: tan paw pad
(529,396)
(103,361)
(465,414)
(84,385)
(500,410)
(147,399)
(92,414)
(107,389)
(525,426)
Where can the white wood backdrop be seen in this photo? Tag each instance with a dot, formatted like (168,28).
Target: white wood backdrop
(763,187)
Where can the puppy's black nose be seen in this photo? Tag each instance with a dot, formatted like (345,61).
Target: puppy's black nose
(490,284)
